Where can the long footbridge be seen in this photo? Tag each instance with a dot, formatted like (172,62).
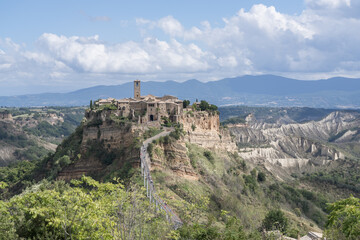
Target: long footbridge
(149,184)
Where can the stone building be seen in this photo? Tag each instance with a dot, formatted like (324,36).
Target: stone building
(146,108)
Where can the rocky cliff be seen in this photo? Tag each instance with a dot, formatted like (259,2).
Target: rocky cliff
(107,144)
(203,128)
(109,141)
(172,155)
(294,146)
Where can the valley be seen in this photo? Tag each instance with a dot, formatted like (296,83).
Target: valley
(28,134)
(243,167)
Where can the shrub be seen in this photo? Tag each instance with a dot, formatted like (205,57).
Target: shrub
(275,220)
(186,103)
(261,177)
(177,133)
(250,182)
(109,107)
(205,106)
(243,165)
(150,149)
(209,156)
(166,140)
(64,161)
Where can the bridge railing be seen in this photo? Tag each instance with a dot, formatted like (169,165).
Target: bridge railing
(151,192)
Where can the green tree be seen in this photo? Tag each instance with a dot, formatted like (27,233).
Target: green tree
(204,105)
(91,104)
(344,219)
(7,227)
(186,103)
(213,107)
(275,220)
(86,209)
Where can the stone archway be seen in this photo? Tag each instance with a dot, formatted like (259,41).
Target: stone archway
(151,118)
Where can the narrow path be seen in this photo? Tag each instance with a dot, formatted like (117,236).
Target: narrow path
(149,184)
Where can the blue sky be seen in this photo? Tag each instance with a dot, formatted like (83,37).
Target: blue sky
(24,21)
(57,46)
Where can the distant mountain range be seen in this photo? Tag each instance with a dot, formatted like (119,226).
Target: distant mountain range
(264,90)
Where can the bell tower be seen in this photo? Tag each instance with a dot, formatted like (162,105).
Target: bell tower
(137,94)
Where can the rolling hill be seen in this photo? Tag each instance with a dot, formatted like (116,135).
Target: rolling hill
(264,90)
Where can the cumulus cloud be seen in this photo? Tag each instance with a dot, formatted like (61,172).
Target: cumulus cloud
(149,56)
(321,41)
(171,26)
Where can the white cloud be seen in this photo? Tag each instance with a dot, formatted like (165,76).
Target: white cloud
(331,4)
(171,26)
(321,41)
(5,66)
(334,8)
(151,55)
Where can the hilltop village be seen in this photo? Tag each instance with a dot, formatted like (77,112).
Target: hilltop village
(147,108)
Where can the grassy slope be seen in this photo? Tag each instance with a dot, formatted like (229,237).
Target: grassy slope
(226,180)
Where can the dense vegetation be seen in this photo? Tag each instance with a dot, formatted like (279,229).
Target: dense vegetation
(344,219)
(344,177)
(66,153)
(205,106)
(45,129)
(83,209)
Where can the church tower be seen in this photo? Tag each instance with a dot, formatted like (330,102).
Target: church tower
(137,94)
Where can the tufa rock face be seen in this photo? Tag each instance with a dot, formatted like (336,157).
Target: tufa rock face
(109,136)
(108,129)
(203,128)
(202,120)
(173,155)
(200,128)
